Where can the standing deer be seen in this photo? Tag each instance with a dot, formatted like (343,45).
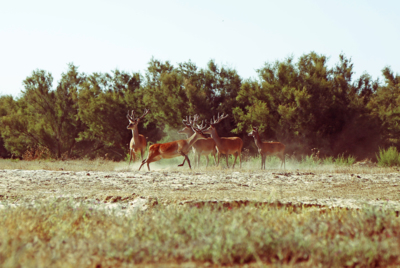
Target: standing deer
(225,145)
(138,141)
(175,148)
(268,148)
(200,147)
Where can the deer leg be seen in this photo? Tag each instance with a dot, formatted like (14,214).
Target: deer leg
(265,161)
(150,158)
(133,156)
(282,157)
(180,165)
(143,162)
(227,164)
(186,159)
(234,162)
(148,167)
(215,160)
(130,156)
(198,160)
(263,158)
(206,160)
(141,153)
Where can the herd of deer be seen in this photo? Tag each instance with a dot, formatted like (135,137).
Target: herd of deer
(201,144)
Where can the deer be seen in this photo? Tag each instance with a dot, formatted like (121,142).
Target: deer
(200,147)
(177,148)
(315,154)
(268,148)
(138,141)
(225,145)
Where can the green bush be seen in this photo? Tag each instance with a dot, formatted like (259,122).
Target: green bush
(389,157)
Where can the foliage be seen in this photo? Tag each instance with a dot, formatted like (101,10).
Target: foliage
(43,116)
(389,157)
(341,160)
(309,104)
(304,104)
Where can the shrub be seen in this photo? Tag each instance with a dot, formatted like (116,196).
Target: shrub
(389,157)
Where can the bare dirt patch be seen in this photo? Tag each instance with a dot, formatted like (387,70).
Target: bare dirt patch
(327,189)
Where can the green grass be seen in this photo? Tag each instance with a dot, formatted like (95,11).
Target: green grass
(60,233)
(389,157)
(343,161)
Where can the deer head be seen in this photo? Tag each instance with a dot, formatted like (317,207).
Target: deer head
(133,122)
(254,132)
(214,122)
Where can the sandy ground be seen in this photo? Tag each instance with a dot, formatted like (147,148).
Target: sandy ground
(137,189)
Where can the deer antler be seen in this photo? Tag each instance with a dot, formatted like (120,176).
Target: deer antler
(219,119)
(146,111)
(202,126)
(131,117)
(189,122)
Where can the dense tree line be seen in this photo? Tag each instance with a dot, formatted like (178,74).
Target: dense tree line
(303,104)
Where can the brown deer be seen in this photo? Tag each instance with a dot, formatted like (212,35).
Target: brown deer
(225,145)
(268,148)
(138,141)
(200,147)
(175,148)
(315,154)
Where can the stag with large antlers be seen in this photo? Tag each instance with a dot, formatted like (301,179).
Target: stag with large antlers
(175,148)
(200,147)
(138,141)
(225,145)
(268,148)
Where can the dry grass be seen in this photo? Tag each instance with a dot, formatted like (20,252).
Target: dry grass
(63,233)
(70,165)
(172,164)
(60,233)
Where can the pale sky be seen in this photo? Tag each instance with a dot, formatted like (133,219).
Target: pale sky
(101,36)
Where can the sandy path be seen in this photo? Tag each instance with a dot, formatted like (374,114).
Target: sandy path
(324,189)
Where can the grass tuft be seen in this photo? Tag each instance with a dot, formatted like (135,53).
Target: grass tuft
(389,157)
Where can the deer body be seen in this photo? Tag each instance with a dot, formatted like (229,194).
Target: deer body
(138,141)
(225,145)
(173,149)
(201,147)
(268,148)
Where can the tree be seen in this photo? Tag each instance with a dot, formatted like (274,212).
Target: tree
(385,105)
(43,116)
(6,104)
(104,101)
(307,104)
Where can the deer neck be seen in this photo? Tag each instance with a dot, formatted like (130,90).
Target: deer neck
(257,140)
(135,134)
(216,137)
(189,133)
(192,139)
